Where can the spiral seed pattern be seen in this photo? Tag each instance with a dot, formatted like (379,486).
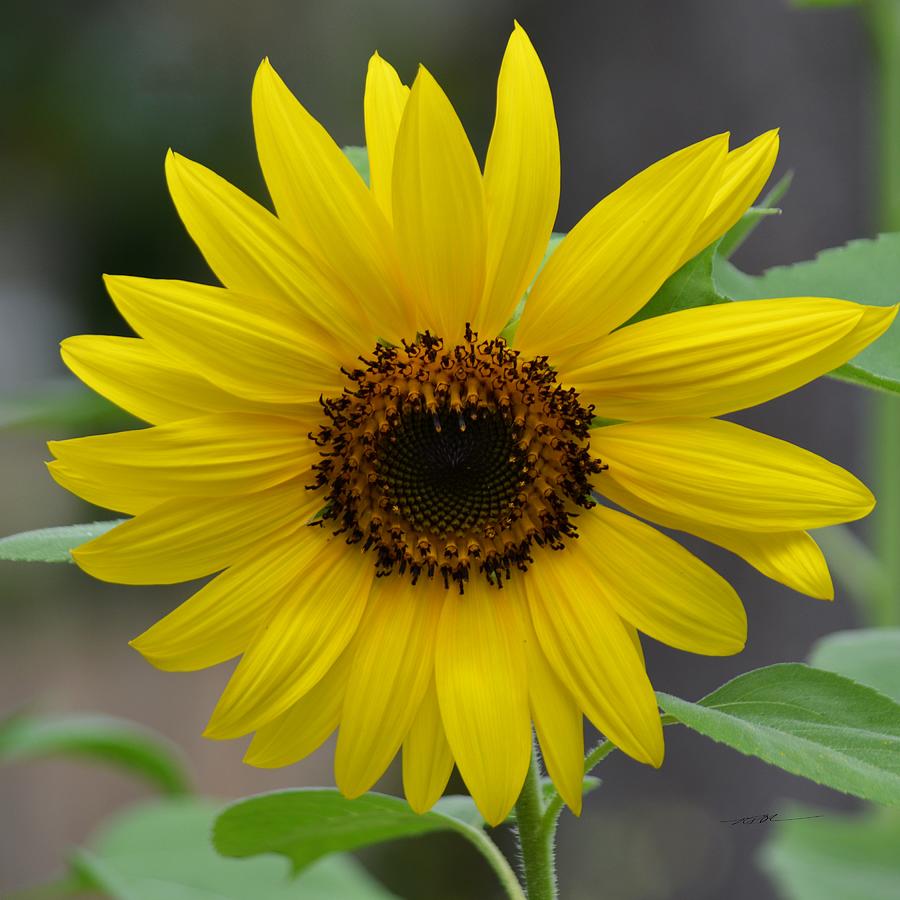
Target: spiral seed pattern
(446,462)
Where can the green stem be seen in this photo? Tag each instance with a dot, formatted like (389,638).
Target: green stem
(886,524)
(601,750)
(551,815)
(883,18)
(556,802)
(537,844)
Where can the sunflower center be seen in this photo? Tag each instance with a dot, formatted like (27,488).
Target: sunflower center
(449,461)
(447,472)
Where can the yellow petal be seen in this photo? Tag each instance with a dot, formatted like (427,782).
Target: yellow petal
(728,476)
(254,349)
(210,456)
(393,665)
(144,381)
(661,588)
(482,687)
(612,262)
(592,653)
(427,760)
(323,201)
(438,212)
(792,557)
(252,253)
(717,359)
(521,182)
(191,537)
(93,489)
(221,619)
(307,724)
(557,717)
(385,101)
(308,630)
(746,171)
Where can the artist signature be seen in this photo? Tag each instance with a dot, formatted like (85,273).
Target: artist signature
(761,820)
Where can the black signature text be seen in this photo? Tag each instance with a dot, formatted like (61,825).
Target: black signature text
(763,819)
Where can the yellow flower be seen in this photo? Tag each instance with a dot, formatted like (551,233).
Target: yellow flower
(392,493)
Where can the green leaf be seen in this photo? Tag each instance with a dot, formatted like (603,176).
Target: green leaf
(866,271)
(863,271)
(162,851)
(462,807)
(868,655)
(812,723)
(834,858)
(692,285)
(104,739)
(359,156)
(748,222)
(304,825)
(52,544)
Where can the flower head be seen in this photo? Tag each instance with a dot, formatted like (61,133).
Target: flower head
(399,495)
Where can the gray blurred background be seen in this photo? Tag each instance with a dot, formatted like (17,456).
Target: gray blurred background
(92,95)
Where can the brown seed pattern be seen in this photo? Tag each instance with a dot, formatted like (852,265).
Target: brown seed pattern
(445,461)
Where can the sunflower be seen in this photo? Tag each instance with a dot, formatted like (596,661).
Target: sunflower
(398,487)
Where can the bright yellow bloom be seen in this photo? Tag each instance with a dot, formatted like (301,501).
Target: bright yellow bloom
(458,468)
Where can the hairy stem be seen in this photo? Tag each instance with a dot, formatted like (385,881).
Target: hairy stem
(537,844)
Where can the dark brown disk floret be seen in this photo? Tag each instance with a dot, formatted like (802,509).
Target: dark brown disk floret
(444,461)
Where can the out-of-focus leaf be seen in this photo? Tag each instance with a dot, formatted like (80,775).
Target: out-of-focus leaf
(853,564)
(834,857)
(52,544)
(816,724)
(359,156)
(462,807)
(820,3)
(868,655)
(748,222)
(117,742)
(162,851)
(63,403)
(866,271)
(304,825)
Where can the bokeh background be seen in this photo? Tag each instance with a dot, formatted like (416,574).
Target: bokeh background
(94,93)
